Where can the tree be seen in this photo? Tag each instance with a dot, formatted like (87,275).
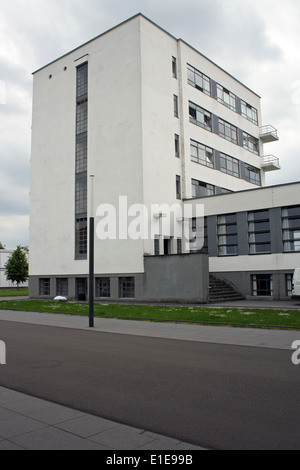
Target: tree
(16,268)
(2,247)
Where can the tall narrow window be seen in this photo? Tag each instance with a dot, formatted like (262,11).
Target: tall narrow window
(174,67)
(291,228)
(259,232)
(227,235)
(177,146)
(81,162)
(178,187)
(175,102)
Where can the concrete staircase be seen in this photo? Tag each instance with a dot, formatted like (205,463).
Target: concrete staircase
(221,291)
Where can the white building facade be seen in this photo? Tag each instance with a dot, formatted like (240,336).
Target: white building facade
(156,123)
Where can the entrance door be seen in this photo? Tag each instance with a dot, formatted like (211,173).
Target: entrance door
(81,288)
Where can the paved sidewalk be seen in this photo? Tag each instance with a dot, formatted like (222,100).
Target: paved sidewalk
(255,337)
(28,423)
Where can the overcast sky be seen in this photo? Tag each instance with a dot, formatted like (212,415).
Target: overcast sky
(257,41)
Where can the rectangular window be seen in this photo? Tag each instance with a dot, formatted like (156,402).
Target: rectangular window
(225,97)
(291,228)
(62,287)
(250,143)
(202,154)
(174,67)
(178,187)
(249,112)
(175,102)
(81,161)
(252,175)
(81,117)
(102,287)
(200,116)
(81,237)
(262,285)
(177,146)
(82,80)
(81,195)
(126,287)
(201,189)
(259,232)
(44,286)
(227,131)
(179,246)
(198,80)
(81,155)
(227,235)
(230,165)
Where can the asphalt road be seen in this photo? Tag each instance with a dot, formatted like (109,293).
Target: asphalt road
(216,396)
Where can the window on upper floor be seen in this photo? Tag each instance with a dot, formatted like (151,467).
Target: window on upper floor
(230,165)
(202,189)
(198,80)
(202,154)
(175,104)
(249,112)
(225,97)
(252,175)
(200,116)
(178,187)
(291,228)
(250,143)
(174,67)
(227,131)
(177,146)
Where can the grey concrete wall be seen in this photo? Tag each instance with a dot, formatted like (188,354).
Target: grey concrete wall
(179,278)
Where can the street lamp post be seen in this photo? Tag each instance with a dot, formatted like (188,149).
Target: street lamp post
(91,254)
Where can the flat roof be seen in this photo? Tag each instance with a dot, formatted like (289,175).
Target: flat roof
(157,26)
(261,188)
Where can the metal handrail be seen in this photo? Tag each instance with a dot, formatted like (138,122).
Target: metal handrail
(268,130)
(270,159)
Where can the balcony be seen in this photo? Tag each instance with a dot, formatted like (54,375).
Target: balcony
(268,134)
(270,163)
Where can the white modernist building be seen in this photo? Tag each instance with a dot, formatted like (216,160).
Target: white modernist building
(157,124)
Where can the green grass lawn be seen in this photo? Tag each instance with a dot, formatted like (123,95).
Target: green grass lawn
(213,315)
(14,292)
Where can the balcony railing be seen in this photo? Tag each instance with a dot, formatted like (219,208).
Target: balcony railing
(268,134)
(270,163)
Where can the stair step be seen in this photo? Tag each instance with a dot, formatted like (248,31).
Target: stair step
(221,291)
